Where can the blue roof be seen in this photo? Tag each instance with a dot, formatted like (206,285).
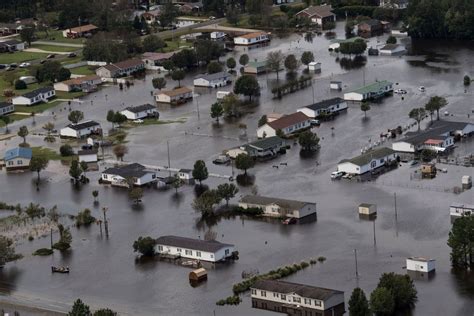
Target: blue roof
(19,152)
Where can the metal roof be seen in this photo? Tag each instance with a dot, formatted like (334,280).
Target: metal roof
(374,87)
(302,290)
(18,152)
(141,108)
(265,200)
(210,77)
(190,243)
(266,143)
(37,92)
(325,104)
(133,170)
(83,125)
(366,158)
(288,120)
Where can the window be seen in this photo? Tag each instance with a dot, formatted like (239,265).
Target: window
(188,252)
(198,253)
(212,256)
(307,301)
(179,250)
(296,299)
(160,248)
(10,163)
(373,164)
(276,294)
(19,162)
(254,291)
(226,252)
(317,303)
(263,293)
(381,160)
(283,297)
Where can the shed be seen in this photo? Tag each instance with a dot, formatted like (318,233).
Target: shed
(314,66)
(420,264)
(198,275)
(367,209)
(466,182)
(335,85)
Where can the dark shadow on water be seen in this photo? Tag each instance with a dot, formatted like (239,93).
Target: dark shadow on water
(143,263)
(308,37)
(365,120)
(177,198)
(8,279)
(137,207)
(200,189)
(245,180)
(464,281)
(352,63)
(308,154)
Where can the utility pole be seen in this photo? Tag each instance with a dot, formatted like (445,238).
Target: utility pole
(355,257)
(375,240)
(169,161)
(51,238)
(106,224)
(396,213)
(197,106)
(312,87)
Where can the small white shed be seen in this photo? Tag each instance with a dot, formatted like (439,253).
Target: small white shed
(335,85)
(367,209)
(420,264)
(314,66)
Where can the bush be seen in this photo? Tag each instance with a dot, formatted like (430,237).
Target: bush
(43,252)
(251,211)
(321,259)
(66,150)
(20,85)
(84,218)
(304,264)
(313,261)
(467,80)
(31,238)
(61,246)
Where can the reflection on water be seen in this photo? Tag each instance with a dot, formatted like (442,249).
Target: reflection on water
(352,63)
(464,281)
(9,277)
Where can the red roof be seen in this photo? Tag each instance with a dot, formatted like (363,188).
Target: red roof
(433,141)
(288,120)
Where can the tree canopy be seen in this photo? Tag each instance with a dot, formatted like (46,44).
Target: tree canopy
(461,241)
(200,172)
(248,86)
(358,304)
(145,246)
(244,162)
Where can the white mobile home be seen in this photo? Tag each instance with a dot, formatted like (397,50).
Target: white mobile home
(212,251)
(222,94)
(373,91)
(35,96)
(81,130)
(140,112)
(117,176)
(368,161)
(6,108)
(459,210)
(18,158)
(367,209)
(219,79)
(419,264)
(392,50)
(288,124)
(175,96)
(325,107)
(87,155)
(252,38)
(276,207)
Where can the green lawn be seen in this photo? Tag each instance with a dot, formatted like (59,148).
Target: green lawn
(19,57)
(57,36)
(175,45)
(69,95)
(14,117)
(53,48)
(83,70)
(49,154)
(72,60)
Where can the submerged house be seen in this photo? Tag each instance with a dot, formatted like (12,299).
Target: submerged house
(212,251)
(325,107)
(288,124)
(296,299)
(81,130)
(118,176)
(276,207)
(18,158)
(266,147)
(140,112)
(318,14)
(368,161)
(375,90)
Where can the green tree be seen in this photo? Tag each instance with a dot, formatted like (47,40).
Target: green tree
(200,172)
(205,202)
(120,151)
(49,127)
(145,246)
(105,312)
(75,116)
(227,191)
(435,104)
(280,133)
(152,43)
(111,117)
(262,121)
(20,85)
(214,67)
(231,63)
(119,118)
(23,132)
(178,75)
(66,150)
(232,16)
(391,40)
(358,304)
(79,309)
(27,34)
(364,107)
(417,114)
(168,14)
(381,302)
(217,111)
(230,104)
(274,61)
(308,140)
(206,50)
(291,64)
(306,58)
(75,170)
(84,167)
(467,80)
(135,194)
(402,289)
(177,182)
(243,59)
(65,239)
(159,83)
(461,241)
(63,74)
(38,164)
(244,162)
(95,194)
(137,24)
(427,155)
(248,86)
(7,251)
(84,218)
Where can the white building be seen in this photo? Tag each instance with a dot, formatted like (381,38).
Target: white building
(186,175)
(18,158)
(35,96)
(392,49)
(6,108)
(276,207)
(318,14)
(140,112)
(217,35)
(120,69)
(296,299)
(419,264)
(324,107)
(78,84)
(118,176)
(212,251)
(87,155)
(288,124)
(81,130)
(369,161)
(80,31)
(28,79)
(219,79)
(372,91)
(367,209)
(314,66)
(335,85)
(252,38)
(175,96)
(11,46)
(222,94)
(265,147)
(459,210)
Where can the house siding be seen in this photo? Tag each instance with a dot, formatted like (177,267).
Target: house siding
(17,164)
(219,255)
(352,168)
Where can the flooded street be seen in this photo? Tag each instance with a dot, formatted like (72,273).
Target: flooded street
(104,272)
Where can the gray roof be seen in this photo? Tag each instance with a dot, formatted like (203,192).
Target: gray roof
(190,243)
(10,42)
(36,92)
(302,290)
(265,200)
(83,125)
(325,104)
(266,143)
(141,108)
(133,170)
(87,152)
(438,130)
(210,77)
(450,125)
(366,158)
(5,105)
(185,170)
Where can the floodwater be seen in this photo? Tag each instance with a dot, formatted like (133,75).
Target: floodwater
(104,271)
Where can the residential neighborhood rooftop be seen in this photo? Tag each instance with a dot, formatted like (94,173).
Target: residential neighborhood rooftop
(302,290)
(319,10)
(140,108)
(253,34)
(36,92)
(265,200)
(213,76)
(18,152)
(288,120)
(132,170)
(4,105)
(267,142)
(190,243)
(83,28)
(83,125)
(177,91)
(374,87)
(367,157)
(325,103)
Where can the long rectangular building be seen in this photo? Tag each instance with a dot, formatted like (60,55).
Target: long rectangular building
(276,207)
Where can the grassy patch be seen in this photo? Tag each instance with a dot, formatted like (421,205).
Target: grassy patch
(38,108)
(83,70)
(49,154)
(57,36)
(19,57)
(72,60)
(54,48)
(152,121)
(69,95)
(43,252)
(175,45)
